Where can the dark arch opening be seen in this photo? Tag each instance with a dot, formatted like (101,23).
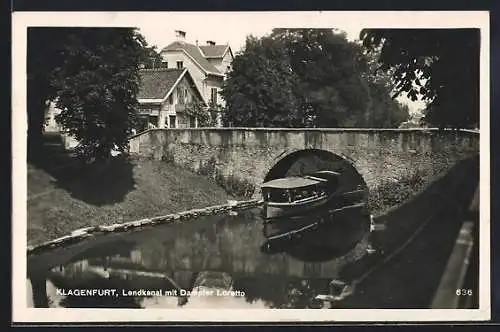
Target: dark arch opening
(312,160)
(339,233)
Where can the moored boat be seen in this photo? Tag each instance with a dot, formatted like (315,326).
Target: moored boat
(296,195)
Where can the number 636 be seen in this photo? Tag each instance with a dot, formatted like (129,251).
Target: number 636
(463,292)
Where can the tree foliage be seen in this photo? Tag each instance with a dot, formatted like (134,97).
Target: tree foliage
(307,77)
(151,58)
(441,66)
(206,116)
(92,75)
(259,90)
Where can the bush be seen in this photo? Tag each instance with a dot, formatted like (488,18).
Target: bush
(234,186)
(390,194)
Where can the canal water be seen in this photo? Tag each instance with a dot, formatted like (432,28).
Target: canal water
(221,261)
(235,260)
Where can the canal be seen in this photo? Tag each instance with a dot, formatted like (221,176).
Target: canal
(221,252)
(235,260)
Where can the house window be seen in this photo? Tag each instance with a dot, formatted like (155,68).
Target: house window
(171,99)
(180,65)
(213,98)
(153,121)
(171,119)
(165,64)
(180,96)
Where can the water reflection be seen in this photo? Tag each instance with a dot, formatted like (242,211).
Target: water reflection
(222,257)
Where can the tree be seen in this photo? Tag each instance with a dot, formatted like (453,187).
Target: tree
(259,90)
(382,110)
(440,65)
(206,116)
(328,67)
(151,58)
(324,78)
(92,75)
(43,56)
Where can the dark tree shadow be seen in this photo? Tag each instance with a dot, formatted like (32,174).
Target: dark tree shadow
(100,184)
(96,184)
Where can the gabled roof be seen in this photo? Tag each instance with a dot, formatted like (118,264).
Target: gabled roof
(157,84)
(214,51)
(195,53)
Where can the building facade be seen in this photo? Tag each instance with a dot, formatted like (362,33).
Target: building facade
(207,64)
(164,96)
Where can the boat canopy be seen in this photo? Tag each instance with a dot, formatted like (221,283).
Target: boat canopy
(332,173)
(290,183)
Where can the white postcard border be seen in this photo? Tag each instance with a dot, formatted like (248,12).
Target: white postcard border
(368,19)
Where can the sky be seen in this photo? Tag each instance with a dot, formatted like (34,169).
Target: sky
(224,28)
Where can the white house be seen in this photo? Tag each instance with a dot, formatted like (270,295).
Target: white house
(163,96)
(207,64)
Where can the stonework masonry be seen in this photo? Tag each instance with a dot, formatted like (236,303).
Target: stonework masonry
(240,158)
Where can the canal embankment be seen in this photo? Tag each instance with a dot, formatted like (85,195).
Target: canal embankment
(64,196)
(415,245)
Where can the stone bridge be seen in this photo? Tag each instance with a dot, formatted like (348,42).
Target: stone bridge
(240,159)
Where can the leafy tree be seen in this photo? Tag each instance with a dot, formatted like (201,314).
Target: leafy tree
(206,116)
(382,110)
(43,56)
(259,90)
(328,67)
(92,74)
(151,58)
(327,81)
(440,65)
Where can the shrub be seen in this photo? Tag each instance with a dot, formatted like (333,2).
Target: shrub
(393,193)
(234,186)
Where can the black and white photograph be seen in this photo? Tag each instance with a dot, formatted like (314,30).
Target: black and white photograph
(210,166)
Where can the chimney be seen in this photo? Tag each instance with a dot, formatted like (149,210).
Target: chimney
(180,35)
(210,43)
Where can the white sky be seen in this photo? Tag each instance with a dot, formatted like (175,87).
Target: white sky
(225,28)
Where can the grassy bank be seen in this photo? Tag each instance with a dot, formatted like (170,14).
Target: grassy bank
(62,199)
(391,194)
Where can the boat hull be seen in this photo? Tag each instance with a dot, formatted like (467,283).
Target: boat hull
(273,210)
(333,200)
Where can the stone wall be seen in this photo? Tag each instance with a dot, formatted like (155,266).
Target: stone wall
(239,158)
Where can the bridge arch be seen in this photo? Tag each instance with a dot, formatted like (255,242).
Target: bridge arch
(311,160)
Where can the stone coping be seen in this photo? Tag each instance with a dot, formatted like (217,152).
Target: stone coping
(136,225)
(330,130)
